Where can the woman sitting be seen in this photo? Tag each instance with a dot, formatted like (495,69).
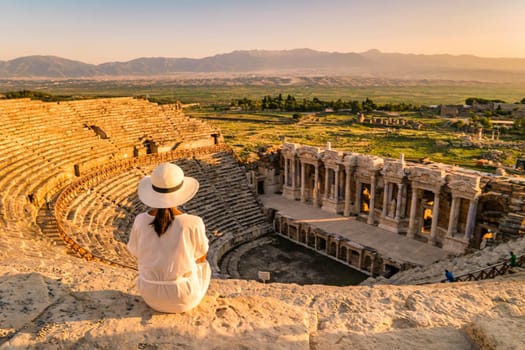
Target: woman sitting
(170,246)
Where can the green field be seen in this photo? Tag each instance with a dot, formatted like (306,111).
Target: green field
(422,93)
(246,133)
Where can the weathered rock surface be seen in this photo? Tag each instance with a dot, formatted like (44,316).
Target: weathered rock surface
(499,333)
(23,298)
(68,303)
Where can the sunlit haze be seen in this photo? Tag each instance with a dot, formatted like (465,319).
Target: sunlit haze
(99,31)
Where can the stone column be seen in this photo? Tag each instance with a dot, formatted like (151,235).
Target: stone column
(336,185)
(358,190)
(306,237)
(326,183)
(413,208)
(471,218)
(453,219)
(370,220)
(390,190)
(293,174)
(347,192)
(385,199)
(303,190)
(316,185)
(372,265)
(400,189)
(435,216)
(404,201)
(286,183)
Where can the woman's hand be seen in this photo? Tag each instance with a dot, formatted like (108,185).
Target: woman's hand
(201,259)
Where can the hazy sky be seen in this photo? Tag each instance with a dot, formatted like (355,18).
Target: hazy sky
(98,31)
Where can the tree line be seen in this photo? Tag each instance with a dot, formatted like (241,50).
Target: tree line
(483,101)
(37,95)
(292,104)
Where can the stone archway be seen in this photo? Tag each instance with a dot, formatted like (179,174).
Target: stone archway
(284,229)
(302,235)
(309,184)
(491,209)
(426,214)
(342,253)
(354,258)
(365,198)
(293,232)
(278,224)
(321,243)
(367,265)
(332,250)
(311,240)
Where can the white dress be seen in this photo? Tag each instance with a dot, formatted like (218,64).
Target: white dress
(169,278)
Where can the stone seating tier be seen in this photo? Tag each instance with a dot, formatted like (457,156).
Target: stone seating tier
(99,212)
(41,143)
(130,122)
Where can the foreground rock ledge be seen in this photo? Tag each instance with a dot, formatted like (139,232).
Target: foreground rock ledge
(68,303)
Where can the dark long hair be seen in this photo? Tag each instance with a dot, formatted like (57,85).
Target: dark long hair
(163,219)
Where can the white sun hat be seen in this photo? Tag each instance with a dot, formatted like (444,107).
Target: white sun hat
(167,187)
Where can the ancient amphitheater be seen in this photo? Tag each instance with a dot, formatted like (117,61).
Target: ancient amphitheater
(68,174)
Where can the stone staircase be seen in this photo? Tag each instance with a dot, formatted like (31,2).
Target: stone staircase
(48,226)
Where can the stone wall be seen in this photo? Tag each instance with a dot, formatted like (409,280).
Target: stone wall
(343,250)
(444,205)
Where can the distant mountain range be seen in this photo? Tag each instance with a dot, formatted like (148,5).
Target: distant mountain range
(372,63)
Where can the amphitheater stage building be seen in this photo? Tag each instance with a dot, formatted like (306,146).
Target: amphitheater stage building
(364,247)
